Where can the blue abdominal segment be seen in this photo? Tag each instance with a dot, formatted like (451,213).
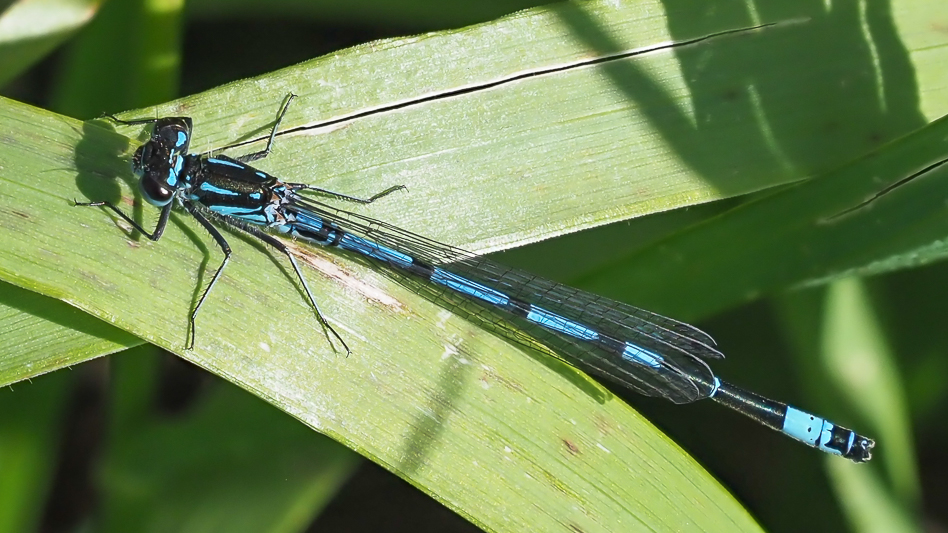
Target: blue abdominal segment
(642,356)
(557,323)
(468,287)
(375,251)
(817,432)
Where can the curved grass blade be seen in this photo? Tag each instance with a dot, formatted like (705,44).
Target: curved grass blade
(482,426)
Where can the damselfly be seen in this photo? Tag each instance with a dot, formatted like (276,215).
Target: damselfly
(640,350)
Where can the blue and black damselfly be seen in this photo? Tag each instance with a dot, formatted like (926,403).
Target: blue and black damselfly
(637,349)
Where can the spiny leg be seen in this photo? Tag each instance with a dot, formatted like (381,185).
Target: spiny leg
(273,241)
(301,186)
(346,197)
(159,228)
(227,252)
(276,125)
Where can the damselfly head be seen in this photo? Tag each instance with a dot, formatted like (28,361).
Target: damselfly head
(159,167)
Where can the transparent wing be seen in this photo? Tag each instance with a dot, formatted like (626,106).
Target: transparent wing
(682,376)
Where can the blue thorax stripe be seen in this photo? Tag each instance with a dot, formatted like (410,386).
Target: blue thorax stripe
(226,162)
(208,187)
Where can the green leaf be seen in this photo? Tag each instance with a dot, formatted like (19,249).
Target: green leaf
(41,334)
(866,217)
(484,427)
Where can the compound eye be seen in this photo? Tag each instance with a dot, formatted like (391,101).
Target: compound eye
(174,136)
(156,193)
